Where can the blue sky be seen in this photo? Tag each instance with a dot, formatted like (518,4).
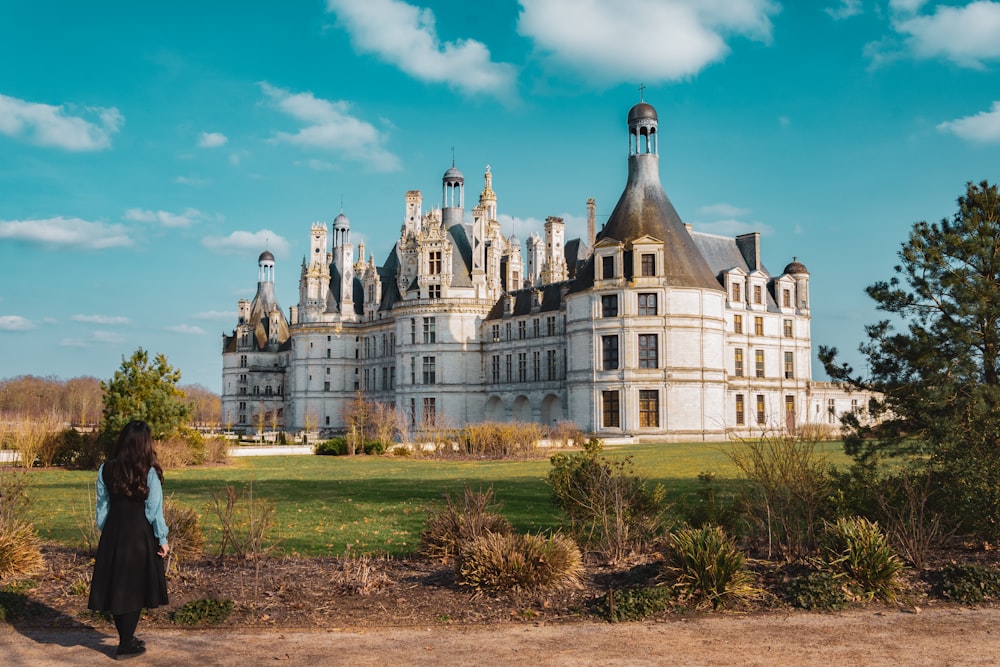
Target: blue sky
(149,151)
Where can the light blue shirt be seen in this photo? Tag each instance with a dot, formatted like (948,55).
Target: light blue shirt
(154,504)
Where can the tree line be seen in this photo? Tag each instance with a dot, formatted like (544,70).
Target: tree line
(80,401)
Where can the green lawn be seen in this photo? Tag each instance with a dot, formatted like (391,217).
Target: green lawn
(372,504)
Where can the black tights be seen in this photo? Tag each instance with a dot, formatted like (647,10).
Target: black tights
(126,624)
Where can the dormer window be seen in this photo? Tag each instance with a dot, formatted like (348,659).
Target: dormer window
(786,298)
(758,294)
(737,292)
(608,267)
(648,265)
(435,263)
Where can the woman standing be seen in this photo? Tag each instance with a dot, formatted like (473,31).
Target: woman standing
(128,572)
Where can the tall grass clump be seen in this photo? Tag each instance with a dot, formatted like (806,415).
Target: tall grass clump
(786,491)
(495,440)
(707,568)
(497,562)
(858,548)
(460,522)
(246,522)
(187,541)
(20,547)
(611,509)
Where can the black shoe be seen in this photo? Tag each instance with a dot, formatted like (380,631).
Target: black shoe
(131,650)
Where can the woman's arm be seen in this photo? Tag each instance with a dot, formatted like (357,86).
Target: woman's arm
(154,507)
(102,499)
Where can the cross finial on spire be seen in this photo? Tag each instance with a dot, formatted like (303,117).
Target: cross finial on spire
(642,88)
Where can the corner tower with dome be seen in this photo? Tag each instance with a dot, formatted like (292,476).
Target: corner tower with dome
(644,330)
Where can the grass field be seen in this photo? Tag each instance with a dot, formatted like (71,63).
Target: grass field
(371,504)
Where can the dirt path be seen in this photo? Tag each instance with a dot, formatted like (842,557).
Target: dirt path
(935,637)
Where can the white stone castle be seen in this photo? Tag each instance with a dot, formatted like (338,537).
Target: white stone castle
(648,329)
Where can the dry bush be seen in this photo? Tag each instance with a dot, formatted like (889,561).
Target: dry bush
(567,434)
(187,541)
(14,497)
(175,453)
(818,431)
(20,550)
(33,439)
(497,440)
(524,563)
(451,527)
(246,522)
(361,574)
(216,450)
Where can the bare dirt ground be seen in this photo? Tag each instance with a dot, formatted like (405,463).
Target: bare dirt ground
(410,612)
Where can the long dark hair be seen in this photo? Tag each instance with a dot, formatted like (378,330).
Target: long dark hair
(131,458)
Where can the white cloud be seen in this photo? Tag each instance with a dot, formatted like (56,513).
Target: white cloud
(405,36)
(215,315)
(166,218)
(983,126)
(193,181)
(68,232)
(723,210)
(247,243)
(212,140)
(186,329)
(846,9)
(318,165)
(15,323)
(330,126)
(108,337)
(101,319)
(74,342)
(966,35)
(60,126)
(642,40)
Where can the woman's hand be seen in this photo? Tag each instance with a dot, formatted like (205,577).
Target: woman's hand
(163,550)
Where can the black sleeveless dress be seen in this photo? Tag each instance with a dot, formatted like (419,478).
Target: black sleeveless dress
(128,574)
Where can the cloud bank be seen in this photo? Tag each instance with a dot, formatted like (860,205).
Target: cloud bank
(59,126)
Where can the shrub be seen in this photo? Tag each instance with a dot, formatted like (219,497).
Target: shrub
(707,567)
(374,447)
(187,541)
(634,604)
(217,450)
(449,528)
(493,440)
(360,574)
(78,451)
(246,522)
(787,490)
(20,549)
(497,563)
(566,434)
(817,590)
(859,548)
(332,447)
(206,610)
(967,583)
(610,508)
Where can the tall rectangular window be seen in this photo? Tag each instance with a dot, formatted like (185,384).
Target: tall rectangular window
(831,411)
(413,412)
(522,366)
(738,362)
(758,326)
(758,294)
(789,366)
(550,325)
(647,304)
(648,265)
(609,305)
(430,370)
(610,409)
(737,324)
(413,370)
(495,369)
(430,411)
(508,365)
(740,410)
(761,416)
(786,327)
(552,365)
(506,331)
(495,331)
(607,268)
(790,410)
(522,330)
(385,377)
(434,291)
(786,298)
(536,365)
(413,331)
(737,292)
(430,330)
(649,408)
(536,327)
(609,352)
(648,351)
(758,360)
(434,261)
(392,377)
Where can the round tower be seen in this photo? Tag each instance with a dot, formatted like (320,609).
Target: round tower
(452,197)
(265,268)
